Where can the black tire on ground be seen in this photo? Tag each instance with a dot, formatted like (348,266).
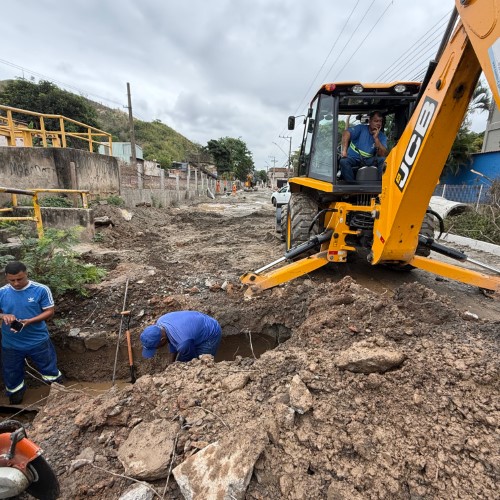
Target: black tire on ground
(426,229)
(277,218)
(301,211)
(284,217)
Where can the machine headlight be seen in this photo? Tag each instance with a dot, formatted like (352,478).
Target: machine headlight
(400,88)
(357,89)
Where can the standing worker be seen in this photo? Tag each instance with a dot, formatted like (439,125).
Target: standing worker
(25,306)
(188,333)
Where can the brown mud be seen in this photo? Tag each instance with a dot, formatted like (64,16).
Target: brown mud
(426,428)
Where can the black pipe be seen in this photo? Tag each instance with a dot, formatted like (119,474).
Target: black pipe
(308,245)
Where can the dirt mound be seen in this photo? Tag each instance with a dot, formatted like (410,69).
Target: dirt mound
(425,427)
(382,385)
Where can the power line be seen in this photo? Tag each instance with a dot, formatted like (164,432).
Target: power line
(363,41)
(326,58)
(53,80)
(436,27)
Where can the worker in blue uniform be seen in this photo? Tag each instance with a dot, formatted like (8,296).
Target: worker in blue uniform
(25,306)
(188,334)
(363,145)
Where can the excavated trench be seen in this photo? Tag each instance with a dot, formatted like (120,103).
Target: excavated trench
(75,361)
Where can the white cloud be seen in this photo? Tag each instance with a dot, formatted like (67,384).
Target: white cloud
(233,68)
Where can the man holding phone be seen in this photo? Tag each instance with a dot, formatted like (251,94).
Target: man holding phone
(24,307)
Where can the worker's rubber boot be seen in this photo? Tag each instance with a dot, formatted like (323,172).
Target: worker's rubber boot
(16,398)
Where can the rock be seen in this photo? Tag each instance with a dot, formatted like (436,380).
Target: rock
(362,359)
(95,341)
(103,221)
(146,452)
(235,382)
(126,214)
(301,399)
(77,464)
(223,469)
(468,316)
(138,492)
(87,454)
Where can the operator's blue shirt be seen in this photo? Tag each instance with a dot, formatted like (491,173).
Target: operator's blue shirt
(363,140)
(188,329)
(27,303)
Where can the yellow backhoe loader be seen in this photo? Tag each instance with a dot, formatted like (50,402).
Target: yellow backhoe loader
(329,218)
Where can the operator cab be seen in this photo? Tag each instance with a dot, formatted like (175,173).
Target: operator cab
(337,107)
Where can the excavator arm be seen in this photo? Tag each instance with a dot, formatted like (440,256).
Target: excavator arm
(413,167)
(415,164)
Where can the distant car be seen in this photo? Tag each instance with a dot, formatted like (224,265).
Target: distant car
(281,196)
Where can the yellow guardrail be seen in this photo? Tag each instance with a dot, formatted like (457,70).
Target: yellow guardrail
(52,133)
(37,217)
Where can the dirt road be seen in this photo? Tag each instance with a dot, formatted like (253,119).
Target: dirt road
(424,426)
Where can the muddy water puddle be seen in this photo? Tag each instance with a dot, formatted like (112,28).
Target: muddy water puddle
(36,397)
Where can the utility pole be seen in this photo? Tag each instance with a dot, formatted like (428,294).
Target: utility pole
(273,170)
(132,140)
(289,152)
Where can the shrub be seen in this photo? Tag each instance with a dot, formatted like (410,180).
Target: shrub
(481,224)
(56,201)
(51,261)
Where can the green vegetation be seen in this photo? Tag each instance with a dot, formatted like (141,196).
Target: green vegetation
(56,201)
(480,224)
(112,199)
(45,97)
(232,158)
(51,261)
(161,143)
(115,200)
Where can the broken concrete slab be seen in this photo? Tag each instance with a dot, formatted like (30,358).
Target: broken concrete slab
(147,451)
(301,399)
(364,359)
(223,469)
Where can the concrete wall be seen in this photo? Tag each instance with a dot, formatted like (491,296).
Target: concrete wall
(28,168)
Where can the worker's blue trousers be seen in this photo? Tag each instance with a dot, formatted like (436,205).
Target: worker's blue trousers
(210,346)
(42,355)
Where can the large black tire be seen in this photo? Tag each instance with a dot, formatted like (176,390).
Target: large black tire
(283,222)
(426,229)
(301,211)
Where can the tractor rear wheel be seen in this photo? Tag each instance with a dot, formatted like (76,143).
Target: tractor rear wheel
(301,211)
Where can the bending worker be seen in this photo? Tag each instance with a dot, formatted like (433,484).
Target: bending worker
(188,333)
(25,306)
(363,145)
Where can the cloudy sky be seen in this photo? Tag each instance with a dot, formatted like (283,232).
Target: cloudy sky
(218,68)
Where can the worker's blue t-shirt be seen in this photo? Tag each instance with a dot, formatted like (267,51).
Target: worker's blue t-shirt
(188,329)
(363,140)
(27,303)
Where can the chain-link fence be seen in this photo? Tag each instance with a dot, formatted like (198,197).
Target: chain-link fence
(476,194)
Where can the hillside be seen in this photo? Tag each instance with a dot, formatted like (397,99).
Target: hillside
(158,141)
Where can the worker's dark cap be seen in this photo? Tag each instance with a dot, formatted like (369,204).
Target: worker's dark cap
(150,339)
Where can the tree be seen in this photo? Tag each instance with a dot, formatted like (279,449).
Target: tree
(262,175)
(468,142)
(231,157)
(45,97)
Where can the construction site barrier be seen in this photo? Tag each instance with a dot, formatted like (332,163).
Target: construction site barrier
(37,212)
(20,132)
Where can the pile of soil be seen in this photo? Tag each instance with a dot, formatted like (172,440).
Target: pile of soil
(399,382)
